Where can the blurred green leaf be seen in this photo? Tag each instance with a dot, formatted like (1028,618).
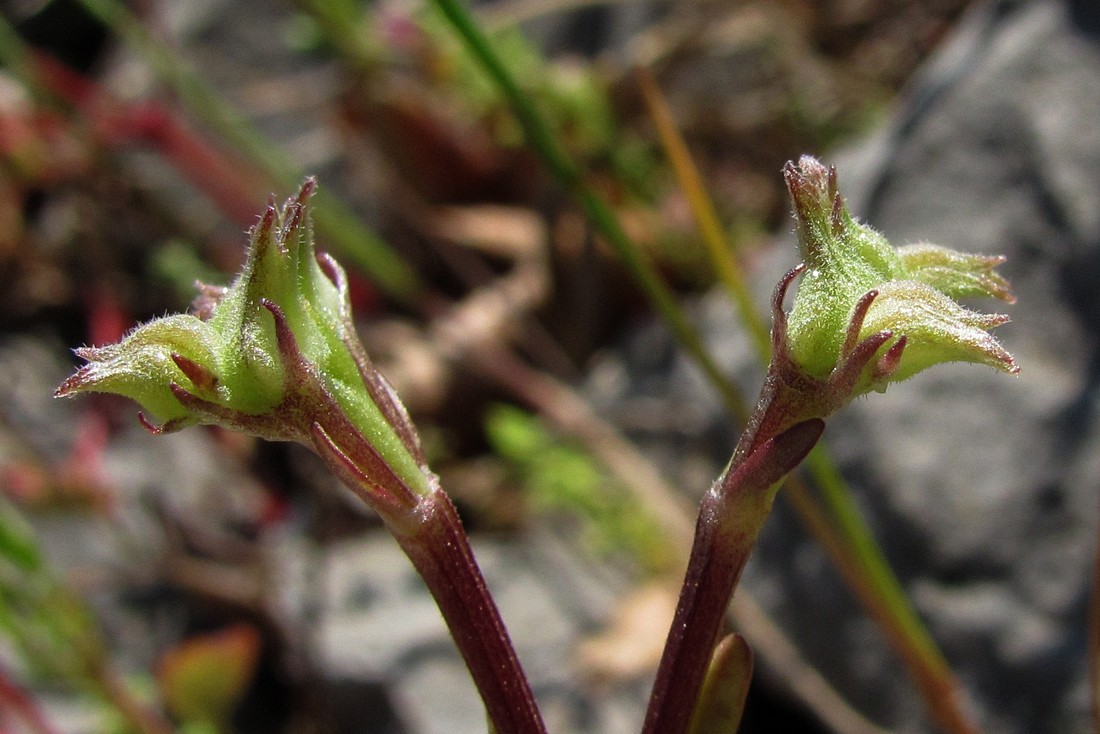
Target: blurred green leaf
(17,539)
(203,678)
(559,475)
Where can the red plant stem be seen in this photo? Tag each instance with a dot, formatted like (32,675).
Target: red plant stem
(732,513)
(439,549)
(232,184)
(14,699)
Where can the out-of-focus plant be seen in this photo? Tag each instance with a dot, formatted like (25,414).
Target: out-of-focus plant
(560,476)
(571,96)
(415,45)
(54,634)
(203,678)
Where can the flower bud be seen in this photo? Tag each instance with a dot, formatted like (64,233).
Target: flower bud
(275,354)
(855,286)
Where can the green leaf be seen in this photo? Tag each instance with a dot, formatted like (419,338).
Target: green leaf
(722,698)
(17,545)
(203,678)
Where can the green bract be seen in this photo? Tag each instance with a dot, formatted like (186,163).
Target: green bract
(274,354)
(855,285)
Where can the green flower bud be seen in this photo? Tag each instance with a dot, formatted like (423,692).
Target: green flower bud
(275,354)
(144,364)
(856,285)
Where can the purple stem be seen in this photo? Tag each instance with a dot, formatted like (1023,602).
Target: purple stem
(730,518)
(441,553)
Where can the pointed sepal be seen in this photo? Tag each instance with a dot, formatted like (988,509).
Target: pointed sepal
(274,354)
(855,287)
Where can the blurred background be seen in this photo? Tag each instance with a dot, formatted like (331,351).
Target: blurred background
(235,586)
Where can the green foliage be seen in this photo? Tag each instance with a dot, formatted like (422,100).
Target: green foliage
(48,626)
(572,97)
(18,552)
(177,263)
(202,679)
(561,476)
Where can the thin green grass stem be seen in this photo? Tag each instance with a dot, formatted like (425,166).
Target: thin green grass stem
(540,137)
(904,632)
(841,504)
(886,600)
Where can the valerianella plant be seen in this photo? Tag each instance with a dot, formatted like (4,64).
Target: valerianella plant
(276,355)
(865,315)
(855,285)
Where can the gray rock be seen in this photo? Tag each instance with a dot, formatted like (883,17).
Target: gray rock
(377,622)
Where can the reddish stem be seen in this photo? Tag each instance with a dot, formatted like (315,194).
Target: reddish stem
(732,513)
(15,700)
(440,551)
(231,184)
